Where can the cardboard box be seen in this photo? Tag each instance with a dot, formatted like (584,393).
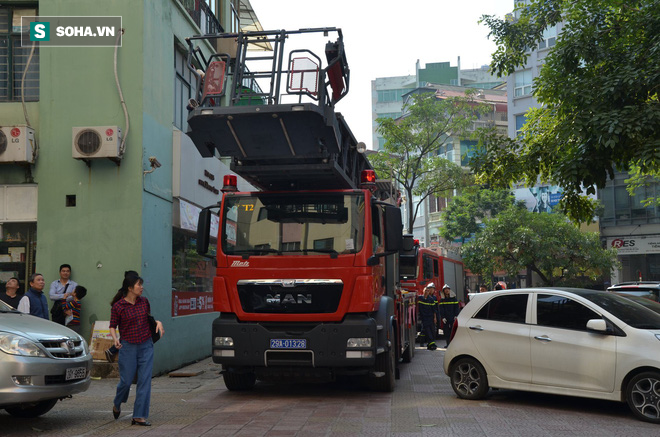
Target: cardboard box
(98,348)
(101,339)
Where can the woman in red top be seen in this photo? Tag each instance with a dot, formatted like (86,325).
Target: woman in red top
(136,350)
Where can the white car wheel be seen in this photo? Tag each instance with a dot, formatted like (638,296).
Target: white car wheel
(643,395)
(469,379)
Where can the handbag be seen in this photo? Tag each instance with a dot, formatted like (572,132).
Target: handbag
(155,336)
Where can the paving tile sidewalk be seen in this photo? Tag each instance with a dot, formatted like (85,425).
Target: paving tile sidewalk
(423,404)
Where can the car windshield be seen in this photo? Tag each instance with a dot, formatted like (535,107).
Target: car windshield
(300,223)
(630,312)
(644,301)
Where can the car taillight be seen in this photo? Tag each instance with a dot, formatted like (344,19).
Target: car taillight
(454,327)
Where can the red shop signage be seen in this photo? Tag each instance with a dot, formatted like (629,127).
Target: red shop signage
(191,302)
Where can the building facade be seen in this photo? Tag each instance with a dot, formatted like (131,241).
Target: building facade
(137,210)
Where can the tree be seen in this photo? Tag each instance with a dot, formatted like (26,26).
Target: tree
(412,142)
(599,90)
(547,244)
(639,181)
(465,212)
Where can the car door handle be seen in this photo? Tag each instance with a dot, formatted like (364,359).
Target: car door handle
(543,338)
(476,328)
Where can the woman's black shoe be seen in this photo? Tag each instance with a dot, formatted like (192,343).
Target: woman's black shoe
(116,412)
(145,423)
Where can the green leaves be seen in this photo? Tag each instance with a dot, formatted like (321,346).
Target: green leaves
(599,86)
(410,154)
(546,244)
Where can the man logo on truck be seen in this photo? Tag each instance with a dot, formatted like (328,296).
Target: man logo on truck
(289,299)
(240,264)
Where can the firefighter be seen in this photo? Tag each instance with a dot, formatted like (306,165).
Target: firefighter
(449,309)
(428,311)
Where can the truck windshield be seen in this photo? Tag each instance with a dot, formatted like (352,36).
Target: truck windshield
(294,223)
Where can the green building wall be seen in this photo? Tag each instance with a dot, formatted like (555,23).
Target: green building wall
(123,217)
(438,73)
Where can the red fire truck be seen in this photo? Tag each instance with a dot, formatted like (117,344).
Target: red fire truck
(421,266)
(307,280)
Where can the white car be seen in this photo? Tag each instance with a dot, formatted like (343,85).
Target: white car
(562,341)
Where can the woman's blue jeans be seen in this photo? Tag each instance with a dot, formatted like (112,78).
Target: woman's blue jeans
(135,358)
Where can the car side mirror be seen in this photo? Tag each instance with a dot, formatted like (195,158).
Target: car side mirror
(598,325)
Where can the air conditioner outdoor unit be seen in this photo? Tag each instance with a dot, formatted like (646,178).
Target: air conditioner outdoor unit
(96,142)
(17,144)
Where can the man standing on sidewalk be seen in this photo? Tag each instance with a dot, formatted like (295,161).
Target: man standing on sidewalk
(60,290)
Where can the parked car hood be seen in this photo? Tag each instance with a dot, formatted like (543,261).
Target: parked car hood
(33,327)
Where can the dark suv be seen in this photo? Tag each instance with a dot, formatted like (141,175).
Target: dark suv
(647,289)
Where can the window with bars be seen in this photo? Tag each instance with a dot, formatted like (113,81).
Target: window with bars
(14,58)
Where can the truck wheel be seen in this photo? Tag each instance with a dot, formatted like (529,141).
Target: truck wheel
(386,363)
(238,381)
(33,409)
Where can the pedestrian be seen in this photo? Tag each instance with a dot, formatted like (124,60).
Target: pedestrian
(428,312)
(61,290)
(11,296)
(111,353)
(449,309)
(501,285)
(34,302)
(483,288)
(136,349)
(72,308)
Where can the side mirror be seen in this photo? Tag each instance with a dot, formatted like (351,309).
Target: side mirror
(203,229)
(598,325)
(393,229)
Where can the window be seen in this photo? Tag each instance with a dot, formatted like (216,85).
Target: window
(549,38)
(14,58)
(520,122)
(185,87)
(506,308)
(562,312)
(436,270)
(523,83)
(324,244)
(390,115)
(392,95)
(428,266)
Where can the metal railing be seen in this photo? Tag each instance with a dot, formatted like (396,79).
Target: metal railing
(202,15)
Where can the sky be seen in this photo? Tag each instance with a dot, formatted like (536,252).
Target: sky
(385,38)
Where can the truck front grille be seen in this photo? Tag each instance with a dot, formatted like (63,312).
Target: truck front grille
(294,296)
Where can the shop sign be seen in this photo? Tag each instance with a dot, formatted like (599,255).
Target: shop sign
(635,245)
(185,303)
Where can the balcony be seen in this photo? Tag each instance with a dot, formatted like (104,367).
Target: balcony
(202,15)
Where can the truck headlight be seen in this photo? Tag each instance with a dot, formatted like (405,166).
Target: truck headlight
(223,341)
(17,345)
(358,342)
